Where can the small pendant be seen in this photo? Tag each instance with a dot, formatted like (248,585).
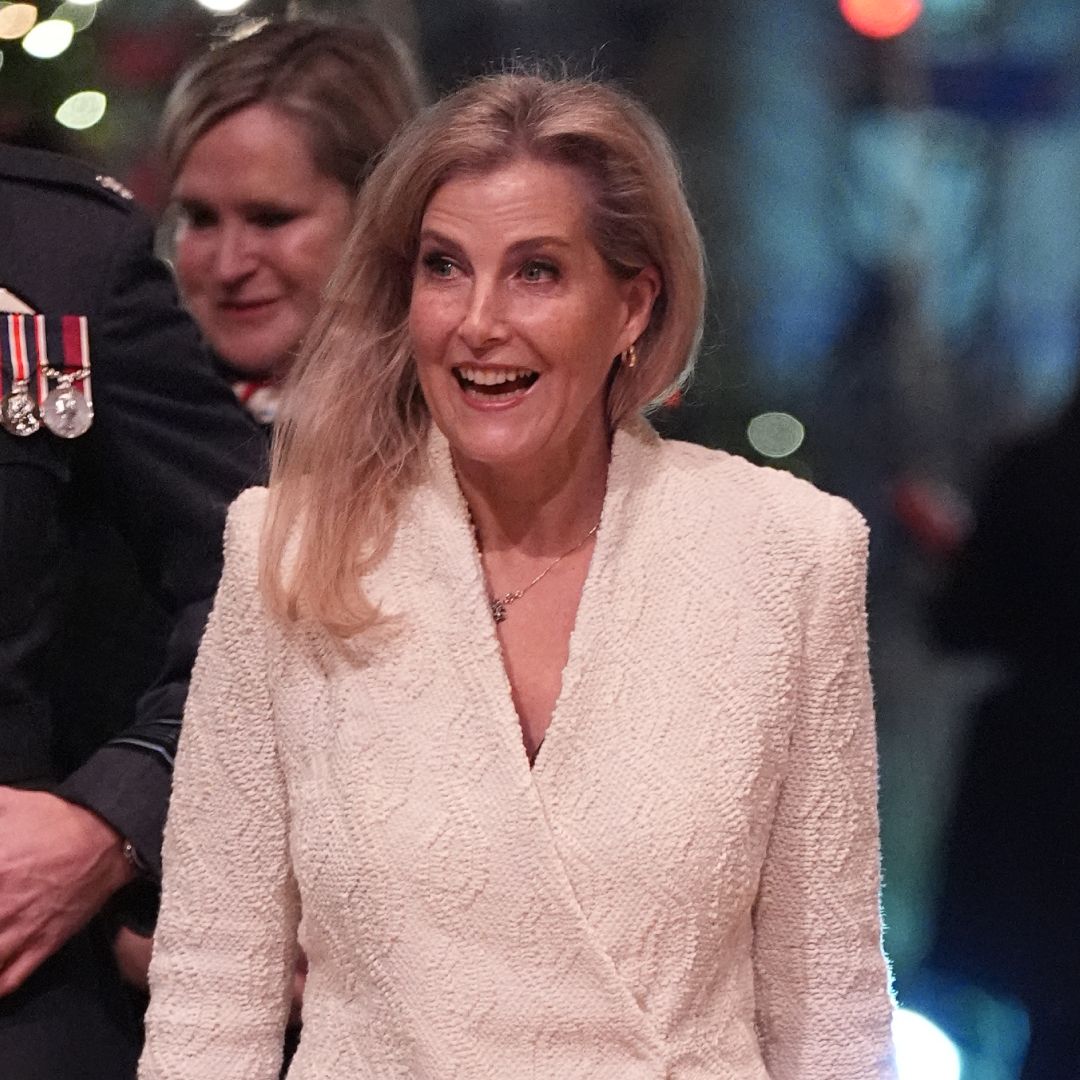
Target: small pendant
(498,610)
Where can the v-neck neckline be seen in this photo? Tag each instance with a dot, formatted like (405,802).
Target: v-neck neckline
(622,470)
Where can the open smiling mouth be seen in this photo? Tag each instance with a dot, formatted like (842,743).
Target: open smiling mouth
(495,382)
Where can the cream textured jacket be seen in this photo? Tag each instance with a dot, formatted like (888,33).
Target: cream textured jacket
(685,887)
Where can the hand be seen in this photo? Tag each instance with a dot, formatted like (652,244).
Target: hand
(59,863)
(132,952)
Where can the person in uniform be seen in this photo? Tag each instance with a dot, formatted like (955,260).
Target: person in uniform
(115,427)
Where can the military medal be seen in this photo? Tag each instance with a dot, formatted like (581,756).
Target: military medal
(18,413)
(18,410)
(68,409)
(65,411)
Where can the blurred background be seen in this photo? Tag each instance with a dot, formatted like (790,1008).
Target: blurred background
(889,195)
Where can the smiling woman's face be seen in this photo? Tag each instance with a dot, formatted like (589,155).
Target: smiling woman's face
(516,319)
(260,231)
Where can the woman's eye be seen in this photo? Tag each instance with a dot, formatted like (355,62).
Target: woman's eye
(438,265)
(272,219)
(196,217)
(538,270)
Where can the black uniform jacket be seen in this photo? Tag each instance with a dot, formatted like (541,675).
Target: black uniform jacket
(146,487)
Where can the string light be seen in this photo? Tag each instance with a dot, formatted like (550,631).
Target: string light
(82,110)
(881,18)
(775,434)
(79,15)
(49,38)
(222,7)
(16,20)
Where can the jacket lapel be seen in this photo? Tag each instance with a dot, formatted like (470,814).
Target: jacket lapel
(482,752)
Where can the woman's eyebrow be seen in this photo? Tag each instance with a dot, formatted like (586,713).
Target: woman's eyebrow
(533,242)
(529,243)
(433,236)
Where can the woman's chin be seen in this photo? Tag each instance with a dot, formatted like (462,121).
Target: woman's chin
(492,445)
(519,441)
(497,454)
(256,365)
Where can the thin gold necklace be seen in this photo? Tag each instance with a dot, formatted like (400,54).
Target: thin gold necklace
(499,604)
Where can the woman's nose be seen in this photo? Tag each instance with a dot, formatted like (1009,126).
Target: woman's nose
(234,257)
(484,321)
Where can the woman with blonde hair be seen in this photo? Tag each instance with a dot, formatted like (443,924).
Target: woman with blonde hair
(267,138)
(553,739)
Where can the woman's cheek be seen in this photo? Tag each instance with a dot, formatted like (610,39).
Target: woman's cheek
(190,264)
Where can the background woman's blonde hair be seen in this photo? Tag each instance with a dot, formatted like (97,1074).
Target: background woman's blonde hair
(349,86)
(349,444)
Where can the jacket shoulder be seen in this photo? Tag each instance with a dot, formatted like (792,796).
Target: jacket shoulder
(245,520)
(729,486)
(242,541)
(77,179)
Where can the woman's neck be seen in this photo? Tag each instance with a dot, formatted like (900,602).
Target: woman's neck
(538,511)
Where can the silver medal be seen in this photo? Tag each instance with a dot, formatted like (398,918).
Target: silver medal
(66,412)
(18,413)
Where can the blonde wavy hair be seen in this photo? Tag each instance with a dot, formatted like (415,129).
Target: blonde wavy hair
(349,85)
(350,442)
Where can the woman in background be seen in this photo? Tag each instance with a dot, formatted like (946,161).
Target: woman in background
(267,139)
(553,740)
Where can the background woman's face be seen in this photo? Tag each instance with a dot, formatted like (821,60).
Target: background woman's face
(261,229)
(515,317)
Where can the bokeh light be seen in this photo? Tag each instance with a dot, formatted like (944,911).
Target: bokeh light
(16,20)
(775,434)
(79,15)
(223,7)
(49,38)
(881,18)
(923,1050)
(82,110)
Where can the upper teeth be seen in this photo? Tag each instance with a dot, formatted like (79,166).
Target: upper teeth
(492,376)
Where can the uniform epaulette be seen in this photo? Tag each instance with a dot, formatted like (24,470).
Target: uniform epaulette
(42,167)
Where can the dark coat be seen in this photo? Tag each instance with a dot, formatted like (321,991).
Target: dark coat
(146,489)
(1010,889)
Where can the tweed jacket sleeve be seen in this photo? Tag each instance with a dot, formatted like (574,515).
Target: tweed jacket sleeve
(224,954)
(818,964)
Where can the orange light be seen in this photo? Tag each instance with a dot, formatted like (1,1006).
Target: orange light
(881,18)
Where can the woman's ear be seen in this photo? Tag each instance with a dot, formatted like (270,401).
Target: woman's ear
(639,294)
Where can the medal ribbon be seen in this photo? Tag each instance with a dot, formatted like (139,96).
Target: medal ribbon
(41,353)
(76,339)
(19,414)
(25,362)
(18,362)
(6,377)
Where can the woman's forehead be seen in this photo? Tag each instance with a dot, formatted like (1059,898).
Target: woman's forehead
(522,190)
